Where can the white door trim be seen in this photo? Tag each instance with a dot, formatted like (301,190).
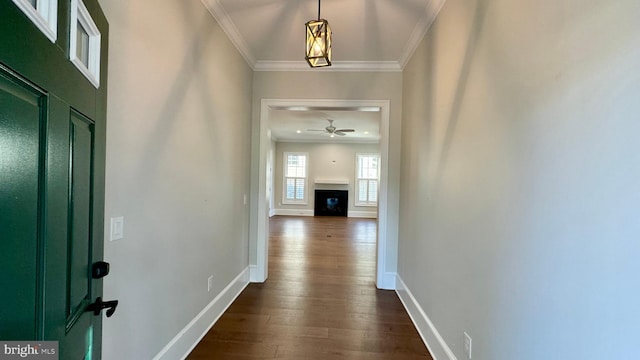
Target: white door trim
(260,242)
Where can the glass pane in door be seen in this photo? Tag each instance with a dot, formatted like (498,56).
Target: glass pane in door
(82,45)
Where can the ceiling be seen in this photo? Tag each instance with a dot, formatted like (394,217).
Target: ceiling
(368,35)
(288,125)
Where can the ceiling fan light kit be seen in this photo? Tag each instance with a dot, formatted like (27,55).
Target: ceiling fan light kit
(318,44)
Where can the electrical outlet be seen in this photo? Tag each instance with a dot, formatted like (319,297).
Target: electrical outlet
(210,283)
(467,344)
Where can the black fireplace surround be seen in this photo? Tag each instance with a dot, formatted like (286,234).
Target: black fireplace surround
(331,203)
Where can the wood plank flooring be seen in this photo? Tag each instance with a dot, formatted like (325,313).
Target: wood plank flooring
(319,302)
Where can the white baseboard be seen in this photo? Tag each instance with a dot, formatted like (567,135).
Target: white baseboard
(363,214)
(293,212)
(387,281)
(430,336)
(187,339)
(254,275)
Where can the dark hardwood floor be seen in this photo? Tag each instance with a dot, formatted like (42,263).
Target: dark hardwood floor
(319,302)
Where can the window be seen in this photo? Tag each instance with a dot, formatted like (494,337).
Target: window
(84,43)
(295,178)
(367,170)
(43,14)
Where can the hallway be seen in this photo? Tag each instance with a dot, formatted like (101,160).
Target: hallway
(319,302)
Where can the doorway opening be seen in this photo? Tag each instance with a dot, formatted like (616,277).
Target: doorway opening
(259,241)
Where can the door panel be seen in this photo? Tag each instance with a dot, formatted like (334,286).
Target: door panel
(21,121)
(80,238)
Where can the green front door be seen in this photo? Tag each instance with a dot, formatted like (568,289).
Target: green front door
(52,146)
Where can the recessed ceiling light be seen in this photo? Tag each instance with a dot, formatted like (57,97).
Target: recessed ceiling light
(298,131)
(366,133)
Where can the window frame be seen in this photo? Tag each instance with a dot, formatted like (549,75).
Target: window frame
(80,14)
(44,16)
(305,199)
(358,179)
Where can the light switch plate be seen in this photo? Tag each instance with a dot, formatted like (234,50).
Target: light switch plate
(117,228)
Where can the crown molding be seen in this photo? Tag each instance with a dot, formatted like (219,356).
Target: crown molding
(222,17)
(430,13)
(353,66)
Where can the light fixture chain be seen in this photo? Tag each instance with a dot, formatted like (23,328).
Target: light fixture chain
(318,9)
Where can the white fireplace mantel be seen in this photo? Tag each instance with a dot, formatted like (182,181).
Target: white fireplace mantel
(332,181)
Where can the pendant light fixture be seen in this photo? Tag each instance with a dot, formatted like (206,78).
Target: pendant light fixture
(318,45)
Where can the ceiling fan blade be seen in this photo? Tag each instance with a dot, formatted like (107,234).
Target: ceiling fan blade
(316,130)
(346,130)
(339,133)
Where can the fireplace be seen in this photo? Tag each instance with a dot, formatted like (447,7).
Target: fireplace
(331,203)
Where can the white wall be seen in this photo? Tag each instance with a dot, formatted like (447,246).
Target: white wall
(326,161)
(335,85)
(520,154)
(178,156)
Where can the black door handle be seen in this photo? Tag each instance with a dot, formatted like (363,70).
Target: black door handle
(98,305)
(99,269)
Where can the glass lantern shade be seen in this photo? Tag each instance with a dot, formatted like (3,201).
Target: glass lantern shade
(318,45)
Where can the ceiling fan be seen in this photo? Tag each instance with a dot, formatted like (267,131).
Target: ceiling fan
(332,130)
